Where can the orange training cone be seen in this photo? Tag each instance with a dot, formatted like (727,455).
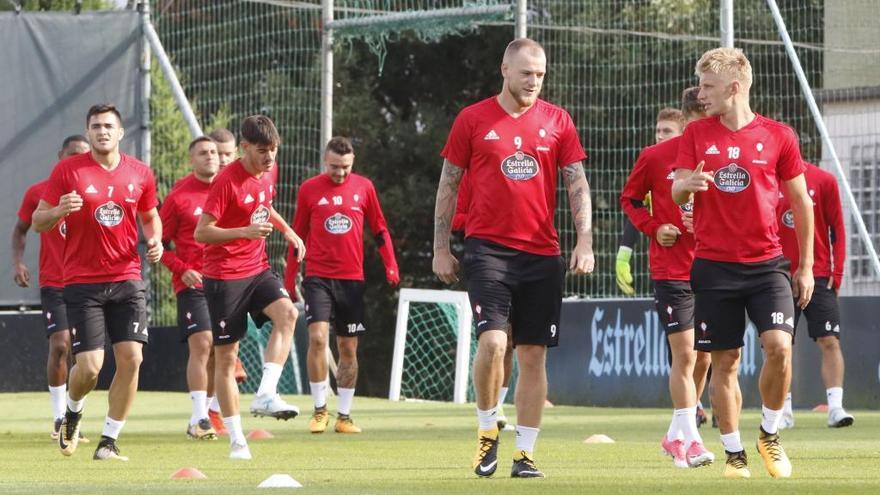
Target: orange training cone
(188,473)
(260,435)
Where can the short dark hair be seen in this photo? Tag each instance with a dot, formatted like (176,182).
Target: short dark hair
(690,102)
(671,114)
(103,108)
(200,139)
(259,129)
(74,138)
(340,145)
(222,135)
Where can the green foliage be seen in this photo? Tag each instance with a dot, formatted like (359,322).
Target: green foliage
(56,5)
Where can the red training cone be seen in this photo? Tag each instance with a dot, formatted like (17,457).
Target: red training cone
(260,435)
(821,408)
(188,473)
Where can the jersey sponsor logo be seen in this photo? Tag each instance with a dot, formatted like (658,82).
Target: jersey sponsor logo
(759,162)
(687,207)
(248,199)
(109,214)
(323,202)
(491,136)
(787,219)
(732,179)
(542,148)
(91,189)
(712,150)
(338,224)
(62,229)
(519,166)
(260,215)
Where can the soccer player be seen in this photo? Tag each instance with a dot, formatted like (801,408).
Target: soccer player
(823,312)
(734,165)
(331,210)
(180,213)
(51,284)
(99,195)
(671,255)
(513,146)
(459,220)
(236,219)
(227,151)
(669,123)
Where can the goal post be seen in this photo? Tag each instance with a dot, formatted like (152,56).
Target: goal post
(429,315)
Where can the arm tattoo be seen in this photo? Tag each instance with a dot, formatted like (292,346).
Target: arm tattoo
(444,208)
(579,196)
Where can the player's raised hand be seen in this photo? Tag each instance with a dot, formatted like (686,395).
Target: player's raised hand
(582,260)
(667,234)
(154,250)
(445,267)
(298,245)
(257,231)
(191,278)
(392,275)
(22,275)
(698,180)
(802,285)
(70,203)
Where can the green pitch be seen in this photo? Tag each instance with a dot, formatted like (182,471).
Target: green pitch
(423,448)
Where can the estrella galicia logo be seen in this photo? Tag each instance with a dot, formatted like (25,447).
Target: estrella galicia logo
(788,219)
(519,166)
(62,229)
(109,214)
(338,224)
(732,179)
(687,207)
(260,215)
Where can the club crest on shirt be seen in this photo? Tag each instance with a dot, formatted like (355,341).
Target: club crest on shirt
(338,224)
(260,215)
(109,214)
(788,219)
(62,229)
(687,207)
(732,178)
(519,166)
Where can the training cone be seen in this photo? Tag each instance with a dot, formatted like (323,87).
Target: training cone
(547,403)
(279,481)
(821,408)
(188,473)
(260,435)
(599,438)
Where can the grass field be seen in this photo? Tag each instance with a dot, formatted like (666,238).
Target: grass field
(417,448)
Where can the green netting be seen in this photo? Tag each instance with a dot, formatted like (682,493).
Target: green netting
(250,352)
(379,22)
(430,353)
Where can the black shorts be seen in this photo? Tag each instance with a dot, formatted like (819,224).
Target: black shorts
(54,309)
(674,301)
(192,313)
(118,309)
(507,285)
(230,302)
(823,312)
(338,301)
(724,292)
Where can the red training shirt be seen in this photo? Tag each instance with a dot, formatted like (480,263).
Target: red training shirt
(102,236)
(654,173)
(51,242)
(238,199)
(180,212)
(512,165)
(735,220)
(829,244)
(330,220)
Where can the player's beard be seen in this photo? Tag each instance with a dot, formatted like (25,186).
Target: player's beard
(523,99)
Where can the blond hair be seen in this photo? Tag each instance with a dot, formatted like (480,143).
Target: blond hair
(519,44)
(672,115)
(730,62)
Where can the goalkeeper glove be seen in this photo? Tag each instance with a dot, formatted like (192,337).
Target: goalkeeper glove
(624,271)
